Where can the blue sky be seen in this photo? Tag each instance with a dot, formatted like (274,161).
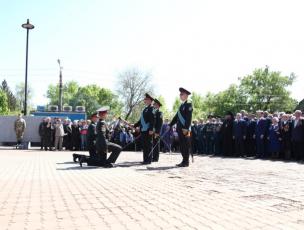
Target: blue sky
(203,45)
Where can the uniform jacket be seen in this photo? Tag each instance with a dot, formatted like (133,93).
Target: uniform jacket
(102,134)
(148,117)
(239,129)
(261,127)
(185,110)
(158,120)
(91,135)
(297,132)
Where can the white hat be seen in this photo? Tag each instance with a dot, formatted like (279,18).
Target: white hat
(103,109)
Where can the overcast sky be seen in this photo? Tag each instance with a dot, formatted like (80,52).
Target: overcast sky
(202,45)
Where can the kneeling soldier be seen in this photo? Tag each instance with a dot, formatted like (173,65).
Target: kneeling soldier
(102,144)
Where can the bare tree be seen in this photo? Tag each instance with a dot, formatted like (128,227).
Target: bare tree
(132,85)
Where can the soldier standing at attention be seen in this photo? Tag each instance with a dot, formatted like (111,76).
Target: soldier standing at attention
(183,119)
(19,127)
(158,118)
(146,124)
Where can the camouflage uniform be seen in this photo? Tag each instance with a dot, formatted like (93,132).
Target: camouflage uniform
(19,127)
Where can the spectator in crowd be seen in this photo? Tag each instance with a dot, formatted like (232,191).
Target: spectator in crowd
(297,135)
(227,130)
(260,134)
(274,138)
(201,143)
(41,132)
(166,136)
(83,129)
(239,135)
(174,140)
(194,136)
(285,129)
(59,134)
(47,134)
(123,137)
(75,136)
(67,139)
(250,148)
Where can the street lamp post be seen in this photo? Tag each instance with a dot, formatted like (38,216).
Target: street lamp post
(28,27)
(60,86)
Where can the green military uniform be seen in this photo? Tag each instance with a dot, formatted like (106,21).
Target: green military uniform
(19,127)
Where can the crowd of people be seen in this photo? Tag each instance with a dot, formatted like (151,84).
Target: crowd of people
(260,135)
(59,134)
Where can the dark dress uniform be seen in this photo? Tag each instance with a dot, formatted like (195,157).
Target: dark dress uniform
(146,124)
(183,119)
(158,120)
(91,140)
(103,146)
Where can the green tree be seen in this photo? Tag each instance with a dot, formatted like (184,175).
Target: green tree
(11,99)
(230,99)
(70,90)
(176,105)
(163,108)
(267,90)
(199,106)
(3,103)
(19,94)
(91,96)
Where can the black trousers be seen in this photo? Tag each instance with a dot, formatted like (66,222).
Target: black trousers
(239,147)
(156,145)
(184,142)
(146,141)
(298,150)
(101,156)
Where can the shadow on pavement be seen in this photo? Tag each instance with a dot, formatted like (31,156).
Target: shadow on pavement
(67,163)
(129,164)
(160,168)
(78,168)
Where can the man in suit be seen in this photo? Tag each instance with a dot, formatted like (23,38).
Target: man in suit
(250,140)
(297,136)
(183,119)
(285,129)
(146,125)
(158,122)
(260,134)
(239,135)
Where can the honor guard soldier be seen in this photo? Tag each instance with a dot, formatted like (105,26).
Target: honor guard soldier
(146,124)
(183,119)
(102,144)
(91,139)
(158,122)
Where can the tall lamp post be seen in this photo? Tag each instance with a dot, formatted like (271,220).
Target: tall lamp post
(60,86)
(28,27)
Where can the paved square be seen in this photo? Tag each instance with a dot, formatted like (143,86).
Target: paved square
(45,190)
